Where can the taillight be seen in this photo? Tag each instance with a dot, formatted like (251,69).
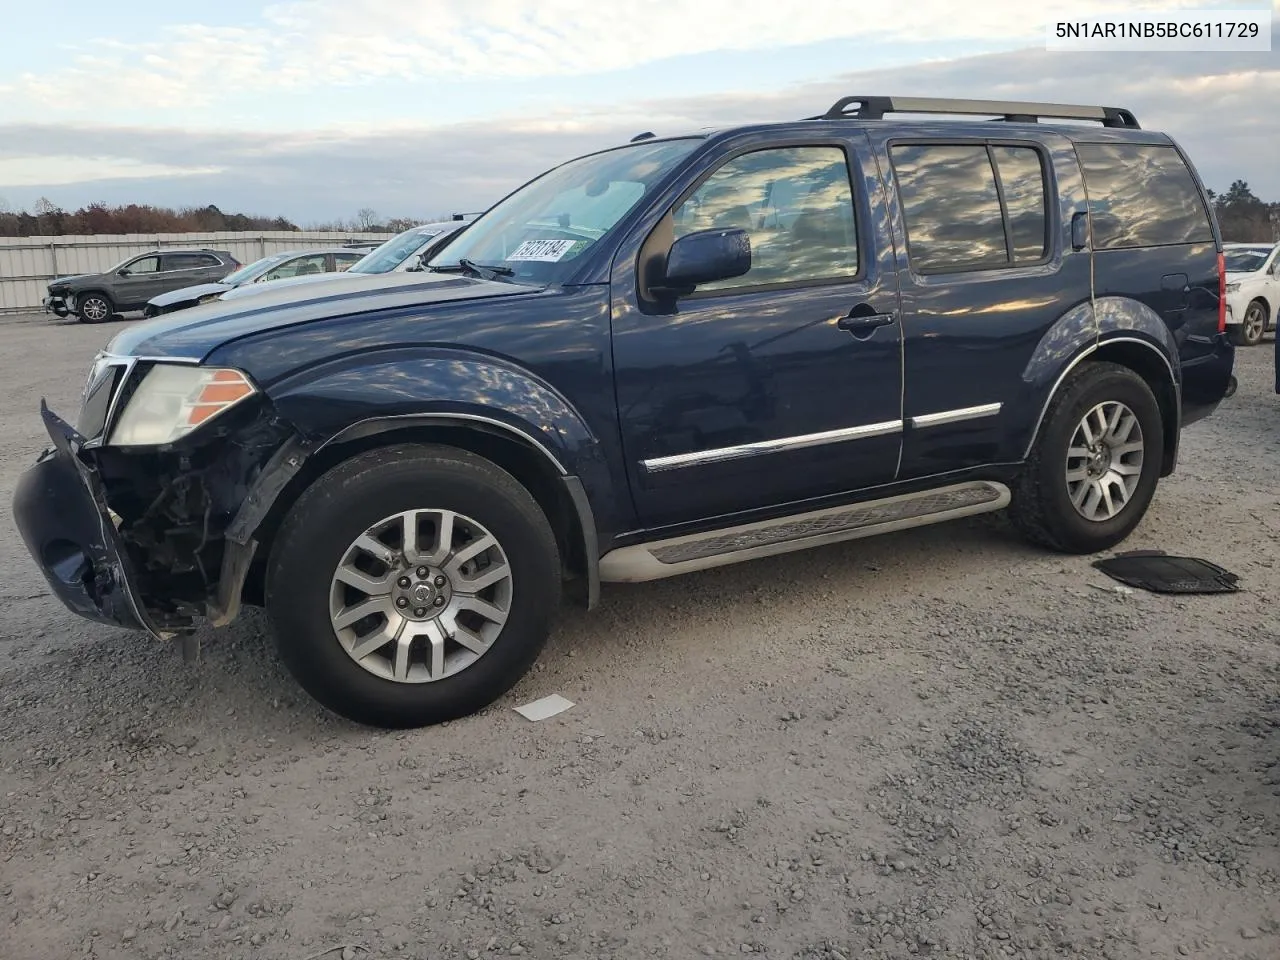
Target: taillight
(1222,294)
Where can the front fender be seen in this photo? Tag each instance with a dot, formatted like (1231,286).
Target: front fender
(361,393)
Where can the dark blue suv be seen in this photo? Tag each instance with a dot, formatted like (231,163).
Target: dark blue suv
(679,353)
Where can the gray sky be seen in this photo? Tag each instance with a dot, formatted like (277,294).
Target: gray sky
(219,111)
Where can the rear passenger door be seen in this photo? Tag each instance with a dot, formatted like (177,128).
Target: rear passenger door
(985,267)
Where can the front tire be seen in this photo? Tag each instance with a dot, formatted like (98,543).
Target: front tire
(1095,465)
(411,585)
(1253,326)
(94,308)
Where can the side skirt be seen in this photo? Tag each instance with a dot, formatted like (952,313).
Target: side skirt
(767,538)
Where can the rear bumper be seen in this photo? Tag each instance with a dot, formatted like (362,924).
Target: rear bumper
(61,512)
(1208,378)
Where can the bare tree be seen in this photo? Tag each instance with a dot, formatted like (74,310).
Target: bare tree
(365,219)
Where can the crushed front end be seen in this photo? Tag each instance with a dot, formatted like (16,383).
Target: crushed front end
(127,513)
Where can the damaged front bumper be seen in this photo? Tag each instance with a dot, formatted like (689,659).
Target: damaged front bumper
(58,306)
(61,511)
(83,547)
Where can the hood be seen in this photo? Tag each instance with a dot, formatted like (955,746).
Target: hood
(253,289)
(187,293)
(69,277)
(193,333)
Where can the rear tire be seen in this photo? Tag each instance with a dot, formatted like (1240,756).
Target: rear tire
(445,655)
(94,307)
(1079,496)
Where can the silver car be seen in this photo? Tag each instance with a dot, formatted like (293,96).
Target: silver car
(405,251)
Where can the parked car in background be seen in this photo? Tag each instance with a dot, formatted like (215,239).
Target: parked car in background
(97,297)
(277,266)
(402,252)
(667,356)
(1253,289)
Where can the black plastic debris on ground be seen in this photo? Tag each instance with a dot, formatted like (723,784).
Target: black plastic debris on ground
(1160,573)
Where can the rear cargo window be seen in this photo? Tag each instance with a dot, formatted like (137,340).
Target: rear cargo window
(961,216)
(1141,195)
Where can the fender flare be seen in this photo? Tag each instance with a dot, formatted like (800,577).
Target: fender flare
(444,388)
(1088,328)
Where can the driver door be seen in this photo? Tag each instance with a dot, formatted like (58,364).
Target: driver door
(758,391)
(142,281)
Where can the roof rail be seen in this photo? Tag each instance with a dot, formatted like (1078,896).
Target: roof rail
(1011,111)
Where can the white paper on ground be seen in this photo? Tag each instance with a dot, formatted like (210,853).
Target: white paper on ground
(544,708)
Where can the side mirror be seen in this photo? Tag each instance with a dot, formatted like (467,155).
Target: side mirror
(124,271)
(705,257)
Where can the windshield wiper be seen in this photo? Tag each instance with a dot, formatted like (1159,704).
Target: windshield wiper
(481,270)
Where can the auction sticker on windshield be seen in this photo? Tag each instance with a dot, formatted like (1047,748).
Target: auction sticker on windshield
(546,251)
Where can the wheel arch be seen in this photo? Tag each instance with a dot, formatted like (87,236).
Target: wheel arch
(82,295)
(559,493)
(1269,319)
(1148,361)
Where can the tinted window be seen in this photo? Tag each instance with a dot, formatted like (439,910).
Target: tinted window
(951,205)
(951,196)
(189,261)
(1141,196)
(144,265)
(797,205)
(1026,198)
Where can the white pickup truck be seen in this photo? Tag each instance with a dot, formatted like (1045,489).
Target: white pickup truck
(1253,289)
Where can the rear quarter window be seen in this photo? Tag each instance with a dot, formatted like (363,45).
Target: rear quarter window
(1141,195)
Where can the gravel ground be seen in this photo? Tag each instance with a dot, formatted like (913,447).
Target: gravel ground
(941,743)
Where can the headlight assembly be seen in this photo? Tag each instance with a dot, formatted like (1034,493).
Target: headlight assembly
(175,399)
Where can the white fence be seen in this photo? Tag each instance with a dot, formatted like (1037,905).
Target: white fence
(27,264)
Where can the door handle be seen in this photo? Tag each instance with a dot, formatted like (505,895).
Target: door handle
(863,324)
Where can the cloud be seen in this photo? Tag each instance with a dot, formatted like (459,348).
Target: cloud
(1217,107)
(53,170)
(314,44)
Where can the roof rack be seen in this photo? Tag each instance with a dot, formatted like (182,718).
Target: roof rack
(1010,111)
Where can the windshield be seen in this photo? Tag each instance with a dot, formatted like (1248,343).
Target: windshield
(540,231)
(245,274)
(1244,261)
(394,252)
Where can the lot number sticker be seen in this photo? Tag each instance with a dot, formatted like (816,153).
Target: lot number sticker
(545,251)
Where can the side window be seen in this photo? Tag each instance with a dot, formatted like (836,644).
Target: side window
(1141,195)
(1026,198)
(343,261)
(189,261)
(144,265)
(797,205)
(970,207)
(297,267)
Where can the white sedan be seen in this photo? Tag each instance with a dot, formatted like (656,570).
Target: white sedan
(1253,289)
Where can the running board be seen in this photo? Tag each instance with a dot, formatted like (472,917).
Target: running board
(751,541)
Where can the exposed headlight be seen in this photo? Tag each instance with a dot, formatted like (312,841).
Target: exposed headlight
(1233,287)
(174,399)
